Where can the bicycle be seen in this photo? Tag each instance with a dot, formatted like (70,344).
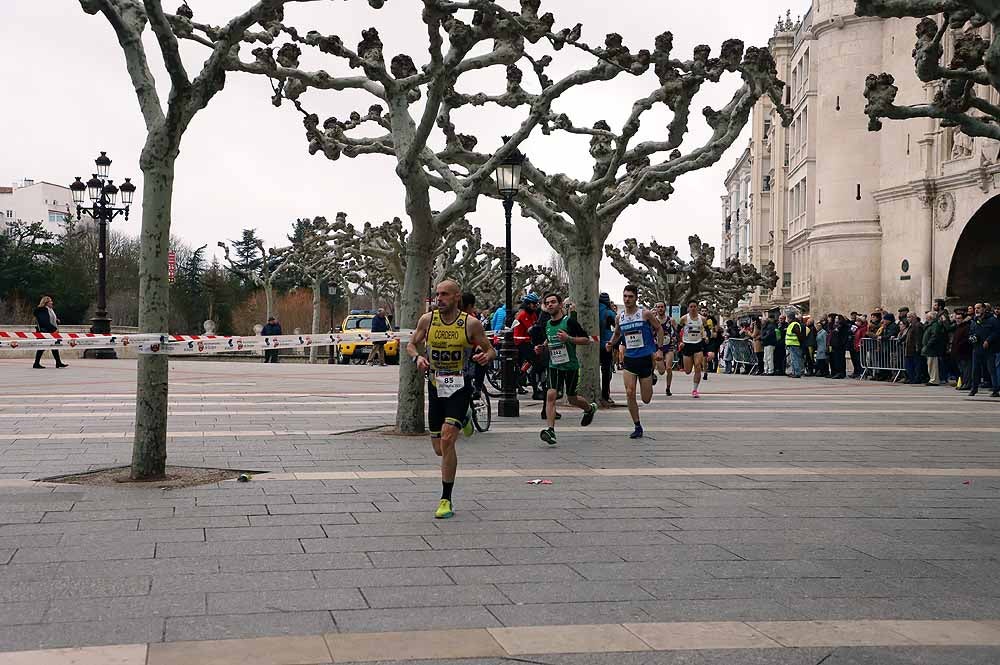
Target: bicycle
(494,375)
(482,411)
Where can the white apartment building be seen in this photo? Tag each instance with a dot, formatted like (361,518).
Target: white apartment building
(6,205)
(854,219)
(30,201)
(736,207)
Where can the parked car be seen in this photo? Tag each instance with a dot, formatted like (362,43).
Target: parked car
(360,320)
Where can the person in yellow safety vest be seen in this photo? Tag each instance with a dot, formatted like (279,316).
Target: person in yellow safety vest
(794,334)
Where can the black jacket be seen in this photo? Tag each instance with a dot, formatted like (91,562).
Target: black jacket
(985,328)
(768,336)
(271,329)
(841,337)
(42,321)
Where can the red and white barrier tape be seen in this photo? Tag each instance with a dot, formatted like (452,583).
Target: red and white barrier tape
(193,344)
(188,344)
(37,340)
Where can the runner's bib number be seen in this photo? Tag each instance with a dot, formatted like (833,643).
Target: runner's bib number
(559,355)
(448,383)
(634,341)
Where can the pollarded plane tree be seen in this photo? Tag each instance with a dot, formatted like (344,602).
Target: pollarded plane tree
(662,275)
(736,281)
(402,129)
(539,279)
(254,264)
(315,256)
(166,122)
(474,264)
(525,278)
(975,65)
(576,216)
(363,273)
(387,244)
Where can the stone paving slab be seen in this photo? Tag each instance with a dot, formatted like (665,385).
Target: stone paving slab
(764,526)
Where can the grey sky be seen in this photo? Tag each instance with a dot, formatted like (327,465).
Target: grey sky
(244,163)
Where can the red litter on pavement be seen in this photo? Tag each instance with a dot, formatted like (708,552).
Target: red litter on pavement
(539,481)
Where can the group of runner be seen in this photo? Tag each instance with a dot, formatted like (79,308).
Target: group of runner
(457,350)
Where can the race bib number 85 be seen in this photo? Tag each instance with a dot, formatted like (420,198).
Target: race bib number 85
(448,383)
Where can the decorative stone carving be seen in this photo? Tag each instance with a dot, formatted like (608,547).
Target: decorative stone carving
(961,145)
(985,180)
(209,327)
(944,210)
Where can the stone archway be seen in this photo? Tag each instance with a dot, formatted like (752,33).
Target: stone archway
(975,266)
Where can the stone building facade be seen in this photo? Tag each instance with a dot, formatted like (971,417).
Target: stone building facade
(851,218)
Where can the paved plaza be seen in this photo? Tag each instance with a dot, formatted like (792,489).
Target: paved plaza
(771,521)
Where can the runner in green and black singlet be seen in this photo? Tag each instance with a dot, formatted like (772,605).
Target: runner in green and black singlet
(562,335)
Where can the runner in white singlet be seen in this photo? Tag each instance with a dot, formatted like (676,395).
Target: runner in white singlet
(693,344)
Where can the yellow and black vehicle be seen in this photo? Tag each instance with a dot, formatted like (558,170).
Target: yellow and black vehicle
(357,352)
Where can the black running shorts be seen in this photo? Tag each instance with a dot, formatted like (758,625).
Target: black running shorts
(565,381)
(450,410)
(642,367)
(692,349)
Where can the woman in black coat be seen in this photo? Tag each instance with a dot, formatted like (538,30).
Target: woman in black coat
(46,321)
(840,341)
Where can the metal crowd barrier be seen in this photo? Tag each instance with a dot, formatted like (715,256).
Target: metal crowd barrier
(881,355)
(741,352)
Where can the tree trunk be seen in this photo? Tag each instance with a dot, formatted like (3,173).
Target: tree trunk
(584,266)
(268,299)
(149,449)
(317,300)
(419,248)
(410,408)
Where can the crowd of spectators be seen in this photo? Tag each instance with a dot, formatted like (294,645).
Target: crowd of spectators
(939,348)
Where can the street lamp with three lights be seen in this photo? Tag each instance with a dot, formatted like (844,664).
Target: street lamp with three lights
(103,194)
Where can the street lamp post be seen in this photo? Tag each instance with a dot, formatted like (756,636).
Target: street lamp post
(103,195)
(508,177)
(670,279)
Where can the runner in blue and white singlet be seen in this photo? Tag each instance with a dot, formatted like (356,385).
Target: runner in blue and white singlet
(643,336)
(640,344)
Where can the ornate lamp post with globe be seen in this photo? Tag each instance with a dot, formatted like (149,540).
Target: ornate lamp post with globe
(103,196)
(508,178)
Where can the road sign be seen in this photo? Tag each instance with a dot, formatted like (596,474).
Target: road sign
(171,266)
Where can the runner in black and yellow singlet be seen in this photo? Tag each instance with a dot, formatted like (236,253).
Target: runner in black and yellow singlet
(450,336)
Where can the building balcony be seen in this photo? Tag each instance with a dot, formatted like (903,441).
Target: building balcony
(797,225)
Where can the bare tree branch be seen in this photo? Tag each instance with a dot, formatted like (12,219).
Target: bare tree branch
(976,62)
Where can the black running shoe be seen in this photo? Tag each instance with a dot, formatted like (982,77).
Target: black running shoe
(588,417)
(548,436)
